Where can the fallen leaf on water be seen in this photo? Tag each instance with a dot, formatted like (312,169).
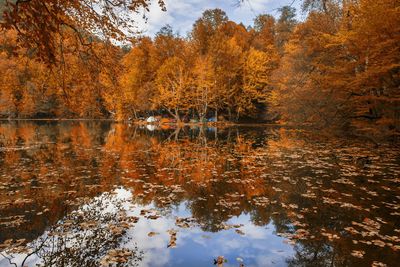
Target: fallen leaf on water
(151,234)
(239,232)
(220,261)
(358,253)
(378,264)
(153,217)
(172,239)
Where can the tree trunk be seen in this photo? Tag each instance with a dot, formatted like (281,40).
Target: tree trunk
(201,118)
(175,115)
(178,119)
(134,113)
(324,6)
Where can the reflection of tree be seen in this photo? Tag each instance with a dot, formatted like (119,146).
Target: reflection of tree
(293,172)
(42,167)
(89,236)
(313,254)
(201,167)
(279,176)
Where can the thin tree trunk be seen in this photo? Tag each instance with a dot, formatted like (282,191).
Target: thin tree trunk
(178,119)
(134,113)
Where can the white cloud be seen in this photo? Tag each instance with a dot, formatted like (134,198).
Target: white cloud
(181,14)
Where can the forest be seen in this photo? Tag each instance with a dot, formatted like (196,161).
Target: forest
(339,67)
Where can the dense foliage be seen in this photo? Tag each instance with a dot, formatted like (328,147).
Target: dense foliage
(339,67)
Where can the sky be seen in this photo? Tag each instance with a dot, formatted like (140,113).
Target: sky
(181,14)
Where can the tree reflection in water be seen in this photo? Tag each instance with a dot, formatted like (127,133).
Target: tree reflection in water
(335,200)
(92,235)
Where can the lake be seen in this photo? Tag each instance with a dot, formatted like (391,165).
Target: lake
(77,193)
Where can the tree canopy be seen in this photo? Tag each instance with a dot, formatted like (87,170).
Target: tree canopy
(40,24)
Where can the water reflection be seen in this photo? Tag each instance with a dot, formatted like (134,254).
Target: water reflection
(257,196)
(91,235)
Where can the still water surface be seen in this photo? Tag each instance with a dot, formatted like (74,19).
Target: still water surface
(98,193)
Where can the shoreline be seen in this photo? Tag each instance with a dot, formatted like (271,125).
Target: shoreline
(141,123)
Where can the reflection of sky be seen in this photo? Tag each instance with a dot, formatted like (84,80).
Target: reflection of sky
(32,261)
(258,247)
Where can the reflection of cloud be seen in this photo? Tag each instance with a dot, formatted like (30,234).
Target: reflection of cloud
(254,232)
(250,230)
(230,244)
(18,258)
(201,240)
(123,194)
(153,247)
(258,247)
(264,260)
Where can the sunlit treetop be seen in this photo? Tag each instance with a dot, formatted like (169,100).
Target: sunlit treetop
(40,24)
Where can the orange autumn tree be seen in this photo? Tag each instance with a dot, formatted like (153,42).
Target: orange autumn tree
(136,80)
(30,89)
(17,96)
(258,84)
(260,63)
(139,92)
(371,31)
(340,67)
(205,27)
(83,90)
(284,27)
(227,59)
(263,32)
(224,48)
(41,23)
(173,82)
(308,90)
(203,93)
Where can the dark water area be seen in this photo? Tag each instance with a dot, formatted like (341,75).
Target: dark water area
(106,194)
